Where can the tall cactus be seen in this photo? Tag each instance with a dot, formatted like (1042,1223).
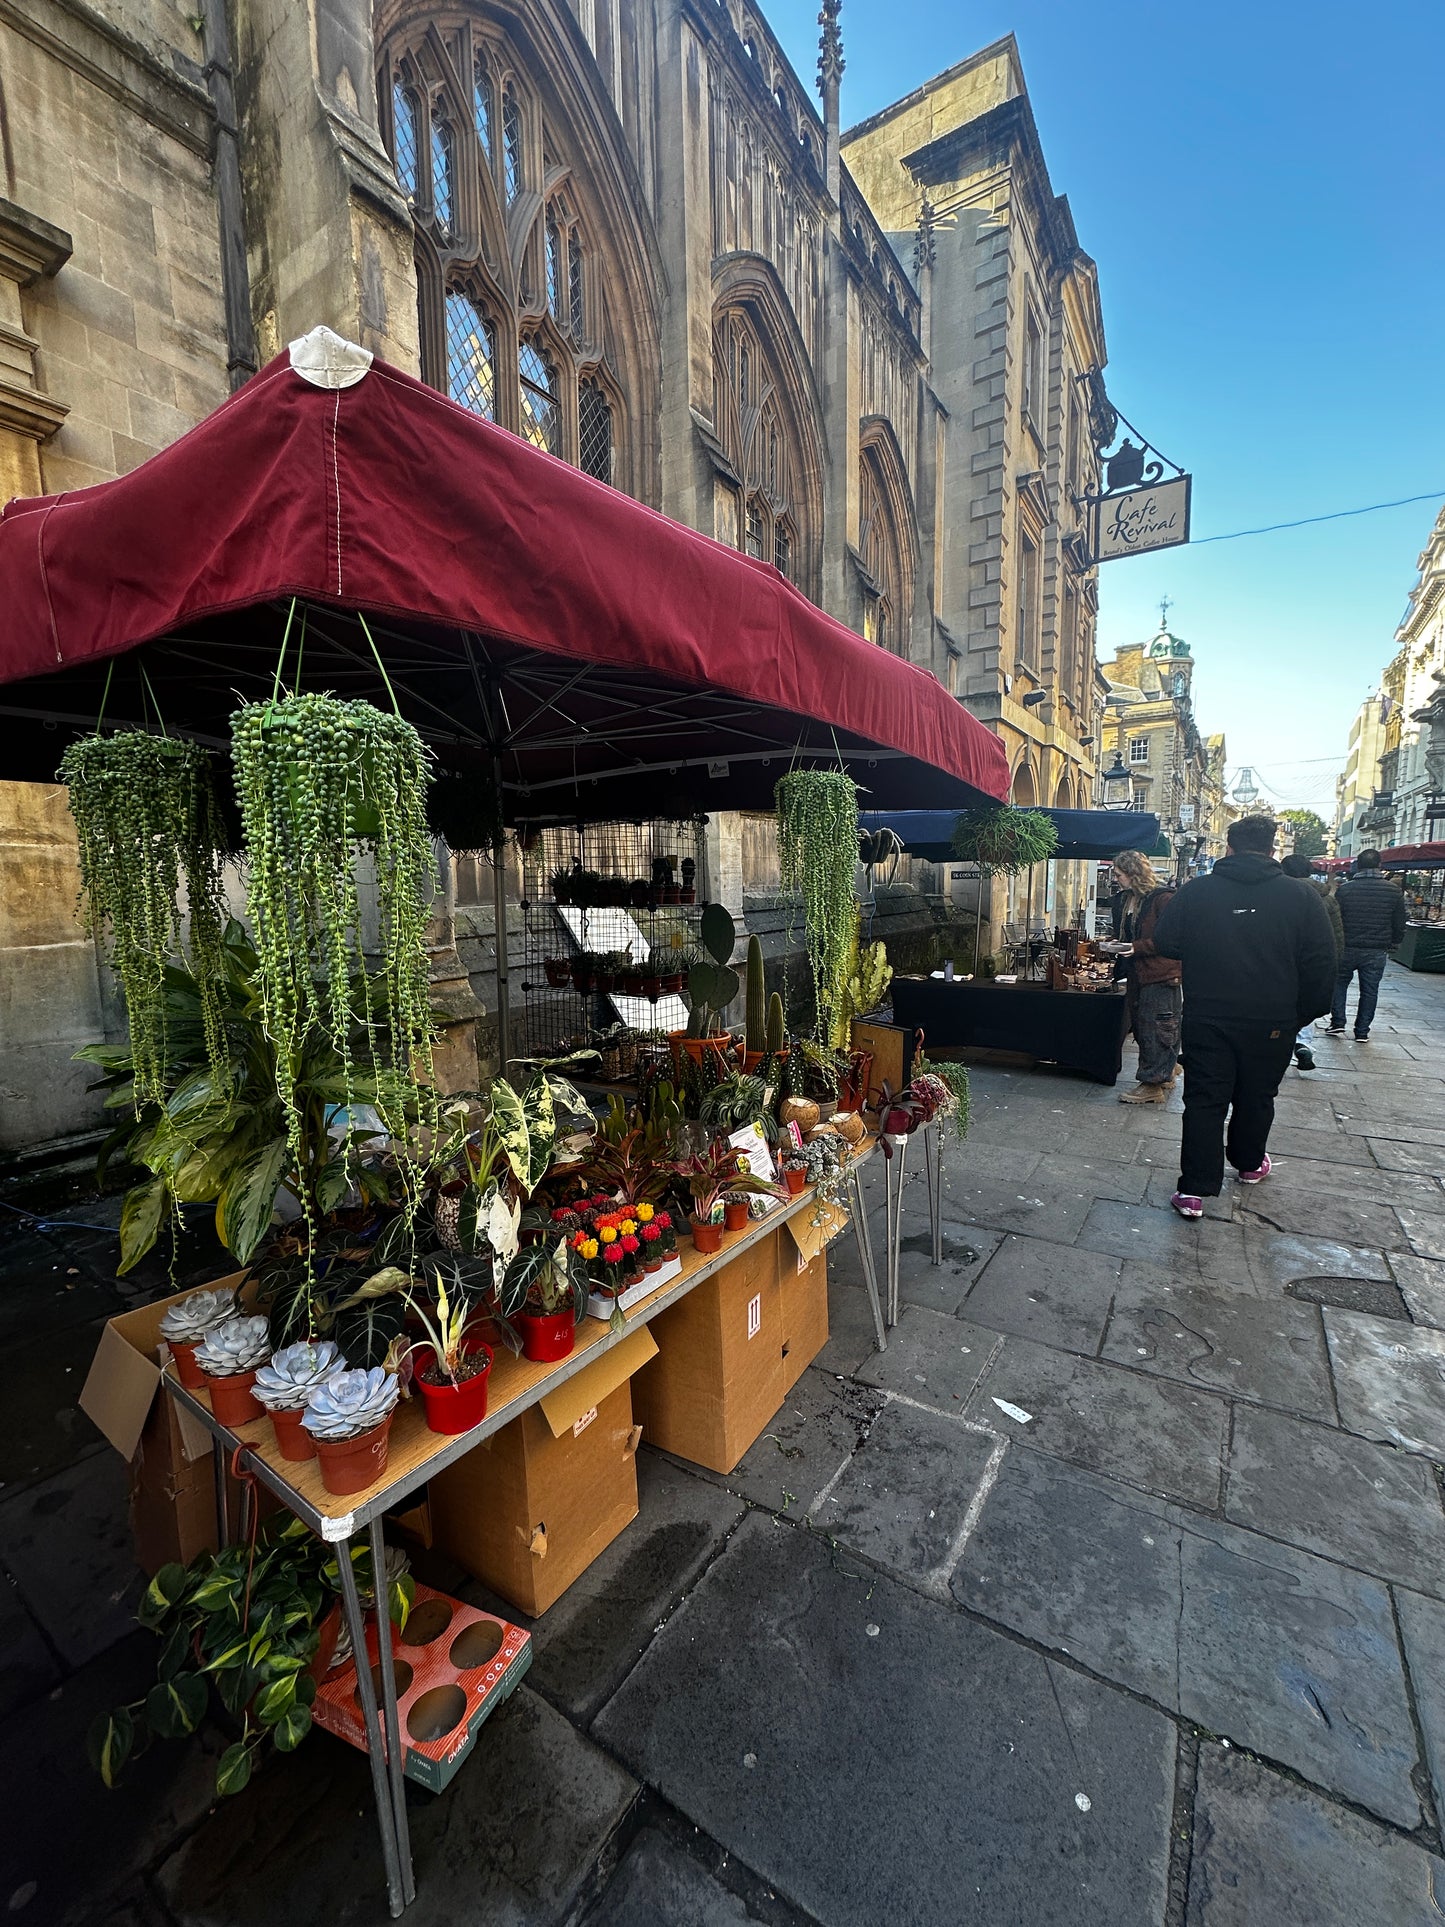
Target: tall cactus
(774,1037)
(756,1018)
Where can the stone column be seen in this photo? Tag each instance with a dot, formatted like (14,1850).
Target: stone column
(29,249)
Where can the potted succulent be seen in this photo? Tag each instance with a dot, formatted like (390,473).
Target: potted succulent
(230,1355)
(563,886)
(559,972)
(544,1295)
(688,891)
(795,1173)
(736,1209)
(349,1419)
(284,1386)
(453,1379)
(184,1326)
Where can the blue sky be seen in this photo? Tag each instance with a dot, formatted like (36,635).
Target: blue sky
(1263,188)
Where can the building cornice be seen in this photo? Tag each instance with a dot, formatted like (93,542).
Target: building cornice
(173,98)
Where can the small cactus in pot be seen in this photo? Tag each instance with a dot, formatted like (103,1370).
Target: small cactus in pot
(349,1419)
(230,1355)
(285,1385)
(184,1325)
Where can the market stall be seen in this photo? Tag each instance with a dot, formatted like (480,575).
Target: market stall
(1421,869)
(347,582)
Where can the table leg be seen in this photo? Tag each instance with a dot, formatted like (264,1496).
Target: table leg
(366,1693)
(935,1191)
(895,1222)
(865,1256)
(223,1519)
(395,1757)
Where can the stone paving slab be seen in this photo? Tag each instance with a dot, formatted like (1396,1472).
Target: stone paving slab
(851,1335)
(1313,1178)
(47,1287)
(1425,1231)
(822,1424)
(1148,1432)
(1057,1294)
(1422,1285)
(1339,1215)
(1269,1851)
(904,1497)
(1422,1630)
(1163,1180)
(1017,1204)
(67,1543)
(925,1772)
(1389,1379)
(1271,1351)
(42,1429)
(510,1841)
(27,1665)
(943,1287)
(656,1885)
(1364,1505)
(1275,1259)
(1428,1159)
(1282,1652)
(936,1360)
(1322,1142)
(1206,1250)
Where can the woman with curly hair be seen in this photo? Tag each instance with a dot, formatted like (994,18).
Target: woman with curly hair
(1155,997)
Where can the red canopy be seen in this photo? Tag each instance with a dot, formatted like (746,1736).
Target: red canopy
(1414,856)
(521,607)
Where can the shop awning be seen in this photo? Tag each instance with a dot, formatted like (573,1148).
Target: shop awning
(1084,835)
(1414,856)
(619,664)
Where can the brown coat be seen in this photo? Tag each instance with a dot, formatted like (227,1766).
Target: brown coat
(1146,966)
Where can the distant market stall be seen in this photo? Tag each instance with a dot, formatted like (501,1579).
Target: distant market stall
(261,642)
(1421,869)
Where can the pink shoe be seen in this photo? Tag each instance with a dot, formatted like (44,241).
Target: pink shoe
(1186,1206)
(1257,1177)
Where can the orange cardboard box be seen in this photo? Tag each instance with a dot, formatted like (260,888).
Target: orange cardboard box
(531,1507)
(172,1477)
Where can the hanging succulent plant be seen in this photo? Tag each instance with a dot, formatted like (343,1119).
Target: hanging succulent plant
(320,780)
(818,850)
(147,823)
(1001,841)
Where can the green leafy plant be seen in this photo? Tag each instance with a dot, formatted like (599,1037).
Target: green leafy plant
(756,1031)
(545,1278)
(320,780)
(247,1621)
(737,1102)
(863,978)
(817,851)
(147,823)
(448,1323)
(708,1174)
(1001,841)
(711,982)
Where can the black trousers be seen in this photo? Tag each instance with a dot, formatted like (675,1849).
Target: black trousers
(1231,1068)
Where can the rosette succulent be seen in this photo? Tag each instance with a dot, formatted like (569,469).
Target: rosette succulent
(287,1381)
(235,1345)
(351,1403)
(189,1321)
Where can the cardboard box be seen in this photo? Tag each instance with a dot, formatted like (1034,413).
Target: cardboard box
(804,1289)
(718,1378)
(530,1508)
(172,1477)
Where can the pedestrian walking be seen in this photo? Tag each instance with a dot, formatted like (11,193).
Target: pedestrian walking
(1301,866)
(1372,911)
(1154,995)
(1259,962)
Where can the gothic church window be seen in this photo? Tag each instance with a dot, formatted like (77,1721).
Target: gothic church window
(753,430)
(594,413)
(884,616)
(471,356)
(442,172)
(483,105)
(540,412)
(405,123)
(511,143)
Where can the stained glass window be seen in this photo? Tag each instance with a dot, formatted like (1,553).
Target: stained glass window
(471,368)
(408,142)
(511,142)
(594,419)
(443,174)
(541,416)
(482,104)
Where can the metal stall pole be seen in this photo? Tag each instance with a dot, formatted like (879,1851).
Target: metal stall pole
(933,1169)
(865,1253)
(396,1885)
(896,1173)
(395,1757)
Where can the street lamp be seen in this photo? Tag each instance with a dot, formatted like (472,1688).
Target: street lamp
(1118,785)
(1246,790)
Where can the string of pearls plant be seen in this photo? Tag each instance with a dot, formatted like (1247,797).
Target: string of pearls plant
(147,822)
(817,855)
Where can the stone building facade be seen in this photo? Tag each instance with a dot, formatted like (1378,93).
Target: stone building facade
(1359,782)
(1174,771)
(623,228)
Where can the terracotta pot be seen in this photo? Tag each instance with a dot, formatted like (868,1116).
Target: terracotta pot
(187,1370)
(581,978)
(351,1465)
(706,1237)
(651,988)
(457,1408)
(697,1047)
(796,1178)
(546,1335)
(751,1060)
(232,1400)
(291,1435)
(652,1265)
(671,893)
(675,982)
(686,895)
(735,1215)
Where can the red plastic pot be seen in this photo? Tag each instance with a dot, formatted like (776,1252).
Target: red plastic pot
(291,1435)
(232,1400)
(187,1370)
(351,1465)
(796,1178)
(735,1215)
(546,1335)
(706,1237)
(457,1408)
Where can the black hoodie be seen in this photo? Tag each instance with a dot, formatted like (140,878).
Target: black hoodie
(1254,944)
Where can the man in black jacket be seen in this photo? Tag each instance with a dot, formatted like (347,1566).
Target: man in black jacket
(1259,962)
(1372,911)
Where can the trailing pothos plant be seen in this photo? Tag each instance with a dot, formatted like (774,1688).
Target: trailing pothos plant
(246,1621)
(818,855)
(220,1133)
(321,781)
(147,824)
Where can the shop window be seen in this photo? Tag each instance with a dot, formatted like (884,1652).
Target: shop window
(541,413)
(1138,749)
(406,122)
(594,421)
(471,363)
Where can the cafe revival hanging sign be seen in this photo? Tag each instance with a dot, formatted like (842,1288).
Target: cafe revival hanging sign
(1141,509)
